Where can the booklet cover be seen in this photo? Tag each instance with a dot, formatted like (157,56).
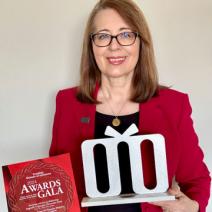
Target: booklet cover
(44,185)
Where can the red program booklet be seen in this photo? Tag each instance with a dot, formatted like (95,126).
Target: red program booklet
(44,185)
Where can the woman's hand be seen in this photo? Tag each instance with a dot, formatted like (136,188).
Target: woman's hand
(181,204)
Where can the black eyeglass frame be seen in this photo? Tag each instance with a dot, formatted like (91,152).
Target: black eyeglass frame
(92,35)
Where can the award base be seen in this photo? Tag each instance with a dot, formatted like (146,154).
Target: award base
(126,199)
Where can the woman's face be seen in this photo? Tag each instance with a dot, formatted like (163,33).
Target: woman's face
(114,60)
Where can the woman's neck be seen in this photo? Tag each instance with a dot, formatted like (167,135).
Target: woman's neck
(114,95)
(116,89)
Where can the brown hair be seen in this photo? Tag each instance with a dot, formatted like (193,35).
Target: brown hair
(145,80)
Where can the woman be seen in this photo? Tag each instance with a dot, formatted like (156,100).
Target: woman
(118,87)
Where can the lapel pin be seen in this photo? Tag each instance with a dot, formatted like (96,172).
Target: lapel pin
(85,120)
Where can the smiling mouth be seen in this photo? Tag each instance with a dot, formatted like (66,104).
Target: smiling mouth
(116,60)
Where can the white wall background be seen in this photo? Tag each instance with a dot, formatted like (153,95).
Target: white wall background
(40,45)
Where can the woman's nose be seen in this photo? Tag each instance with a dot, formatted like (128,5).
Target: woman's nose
(114,45)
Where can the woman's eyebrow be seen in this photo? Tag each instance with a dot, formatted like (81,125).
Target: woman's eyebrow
(125,28)
(103,30)
(107,30)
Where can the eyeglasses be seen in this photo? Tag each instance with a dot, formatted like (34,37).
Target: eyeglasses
(123,38)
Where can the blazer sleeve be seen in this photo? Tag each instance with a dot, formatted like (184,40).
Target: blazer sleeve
(53,148)
(192,173)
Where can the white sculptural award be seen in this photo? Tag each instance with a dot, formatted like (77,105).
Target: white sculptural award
(141,193)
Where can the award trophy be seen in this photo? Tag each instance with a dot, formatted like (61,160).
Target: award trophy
(113,196)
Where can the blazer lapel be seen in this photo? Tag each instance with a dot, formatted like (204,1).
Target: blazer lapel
(86,120)
(87,117)
(151,117)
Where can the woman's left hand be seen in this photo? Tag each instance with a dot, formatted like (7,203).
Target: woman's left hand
(182,203)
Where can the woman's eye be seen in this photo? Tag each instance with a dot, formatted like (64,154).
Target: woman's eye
(103,36)
(126,35)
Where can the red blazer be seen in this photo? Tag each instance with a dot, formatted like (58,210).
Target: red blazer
(168,114)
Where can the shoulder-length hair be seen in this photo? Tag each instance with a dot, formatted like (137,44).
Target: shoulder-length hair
(145,80)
